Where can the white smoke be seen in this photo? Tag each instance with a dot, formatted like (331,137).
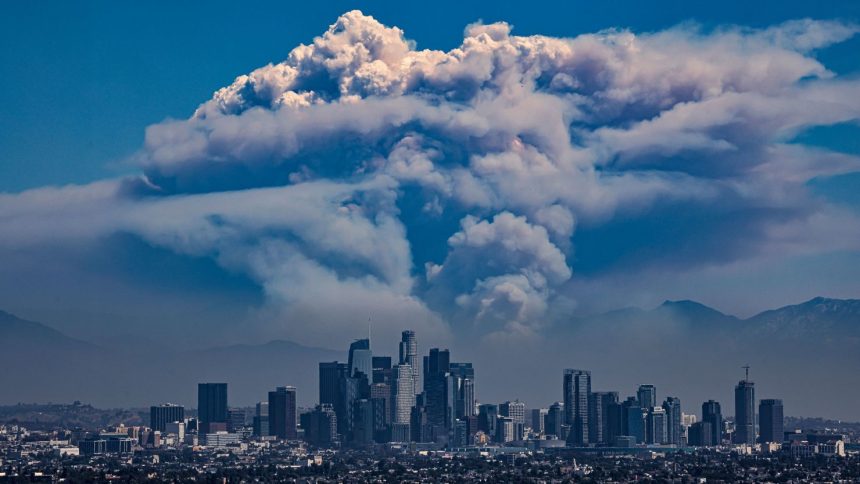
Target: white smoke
(297,174)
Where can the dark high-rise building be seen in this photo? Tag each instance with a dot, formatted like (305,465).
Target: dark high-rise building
(381,369)
(699,435)
(672,406)
(633,424)
(282,413)
(465,399)
(235,419)
(362,428)
(161,415)
(713,417)
(361,359)
(577,387)
(614,422)
(745,412)
(348,393)
(538,419)
(770,420)
(554,420)
(409,356)
(320,425)
(440,392)
(598,416)
(656,426)
(647,396)
(487,414)
(211,406)
(261,419)
(505,430)
(330,374)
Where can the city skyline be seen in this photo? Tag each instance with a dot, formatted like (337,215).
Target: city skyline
(654,192)
(451,241)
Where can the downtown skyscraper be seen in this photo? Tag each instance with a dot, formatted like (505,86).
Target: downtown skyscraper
(770,415)
(212,406)
(409,356)
(745,412)
(282,413)
(576,391)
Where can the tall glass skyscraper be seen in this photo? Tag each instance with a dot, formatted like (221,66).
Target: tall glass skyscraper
(745,412)
(361,359)
(409,356)
(647,395)
(211,405)
(771,420)
(713,418)
(282,413)
(672,406)
(577,388)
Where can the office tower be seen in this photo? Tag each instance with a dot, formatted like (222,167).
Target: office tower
(515,410)
(554,420)
(504,430)
(383,392)
(598,417)
(674,429)
(362,428)
(713,417)
(282,413)
(409,356)
(261,419)
(614,422)
(348,393)
(361,359)
(440,392)
(745,412)
(770,420)
(330,374)
(465,399)
(699,434)
(538,417)
(487,414)
(381,369)
(320,425)
(235,419)
(647,396)
(577,387)
(381,418)
(656,430)
(420,429)
(212,406)
(633,423)
(175,428)
(161,415)
(461,433)
(402,395)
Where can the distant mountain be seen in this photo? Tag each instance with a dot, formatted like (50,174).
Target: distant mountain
(42,364)
(818,315)
(836,317)
(19,333)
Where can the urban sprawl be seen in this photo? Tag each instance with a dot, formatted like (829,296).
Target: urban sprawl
(417,418)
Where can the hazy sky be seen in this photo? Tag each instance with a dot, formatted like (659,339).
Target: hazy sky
(475,168)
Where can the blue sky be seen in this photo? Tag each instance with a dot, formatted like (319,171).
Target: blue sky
(82,81)
(699,187)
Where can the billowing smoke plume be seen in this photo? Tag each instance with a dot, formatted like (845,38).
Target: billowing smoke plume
(445,190)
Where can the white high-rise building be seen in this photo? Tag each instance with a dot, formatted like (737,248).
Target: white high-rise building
(402,393)
(409,356)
